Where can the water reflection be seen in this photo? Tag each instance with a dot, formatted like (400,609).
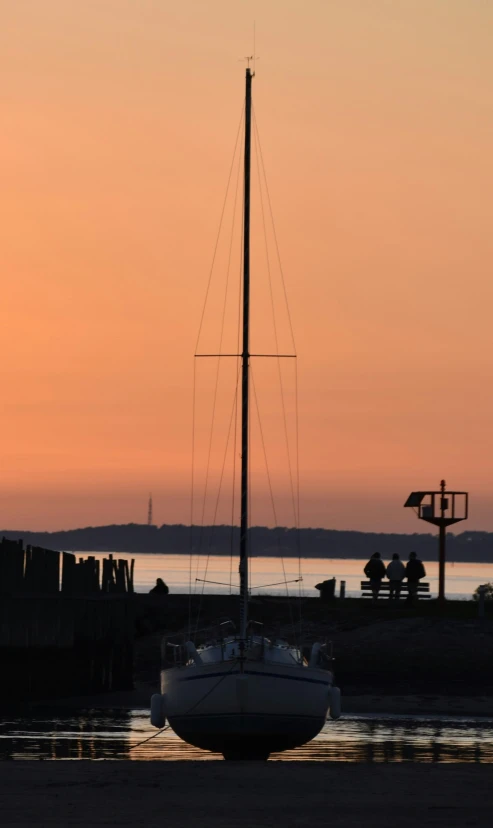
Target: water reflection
(89,735)
(117,734)
(398,739)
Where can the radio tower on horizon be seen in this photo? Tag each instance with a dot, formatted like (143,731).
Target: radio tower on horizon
(149,511)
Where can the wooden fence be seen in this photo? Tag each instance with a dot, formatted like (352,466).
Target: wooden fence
(37,570)
(66,625)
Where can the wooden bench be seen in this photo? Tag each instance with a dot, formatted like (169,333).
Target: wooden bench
(384,592)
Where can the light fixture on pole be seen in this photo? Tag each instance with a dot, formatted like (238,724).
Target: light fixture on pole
(442,508)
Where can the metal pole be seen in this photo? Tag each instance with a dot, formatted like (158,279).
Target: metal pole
(441,564)
(441,545)
(245,370)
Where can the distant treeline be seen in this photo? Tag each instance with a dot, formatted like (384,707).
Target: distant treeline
(221,540)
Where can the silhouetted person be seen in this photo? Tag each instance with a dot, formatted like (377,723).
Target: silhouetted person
(375,571)
(414,572)
(160,589)
(395,573)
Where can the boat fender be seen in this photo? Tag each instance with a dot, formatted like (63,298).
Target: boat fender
(314,655)
(192,653)
(335,702)
(158,710)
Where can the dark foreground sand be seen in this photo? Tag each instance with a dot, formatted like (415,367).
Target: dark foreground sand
(219,794)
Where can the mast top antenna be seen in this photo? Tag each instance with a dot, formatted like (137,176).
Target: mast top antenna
(253,58)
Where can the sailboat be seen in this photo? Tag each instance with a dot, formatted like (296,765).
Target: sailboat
(242,694)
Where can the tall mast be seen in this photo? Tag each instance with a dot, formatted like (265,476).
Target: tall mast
(245,356)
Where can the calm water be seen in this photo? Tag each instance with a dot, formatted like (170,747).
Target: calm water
(111,735)
(461,578)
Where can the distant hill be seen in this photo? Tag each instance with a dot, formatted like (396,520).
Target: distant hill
(313,543)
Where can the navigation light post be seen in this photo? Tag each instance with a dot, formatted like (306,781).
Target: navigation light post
(441,508)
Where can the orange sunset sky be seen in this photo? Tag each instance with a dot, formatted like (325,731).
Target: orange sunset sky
(119,120)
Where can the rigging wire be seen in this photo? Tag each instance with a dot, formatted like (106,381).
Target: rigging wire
(220,228)
(214,686)
(238,369)
(298,527)
(190,559)
(233,487)
(144,741)
(192,504)
(196,704)
(271,493)
(274,233)
(211,534)
(223,317)
(296,486)
(274,323)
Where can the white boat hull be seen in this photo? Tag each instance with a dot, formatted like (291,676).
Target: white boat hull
(250,712)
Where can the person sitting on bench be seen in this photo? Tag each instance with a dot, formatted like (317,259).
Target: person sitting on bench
(395,573)
(375,571)
(414,572)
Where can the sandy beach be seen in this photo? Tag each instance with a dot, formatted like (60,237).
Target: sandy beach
(220,795)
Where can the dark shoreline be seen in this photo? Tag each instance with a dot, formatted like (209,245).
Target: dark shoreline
(327,544)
